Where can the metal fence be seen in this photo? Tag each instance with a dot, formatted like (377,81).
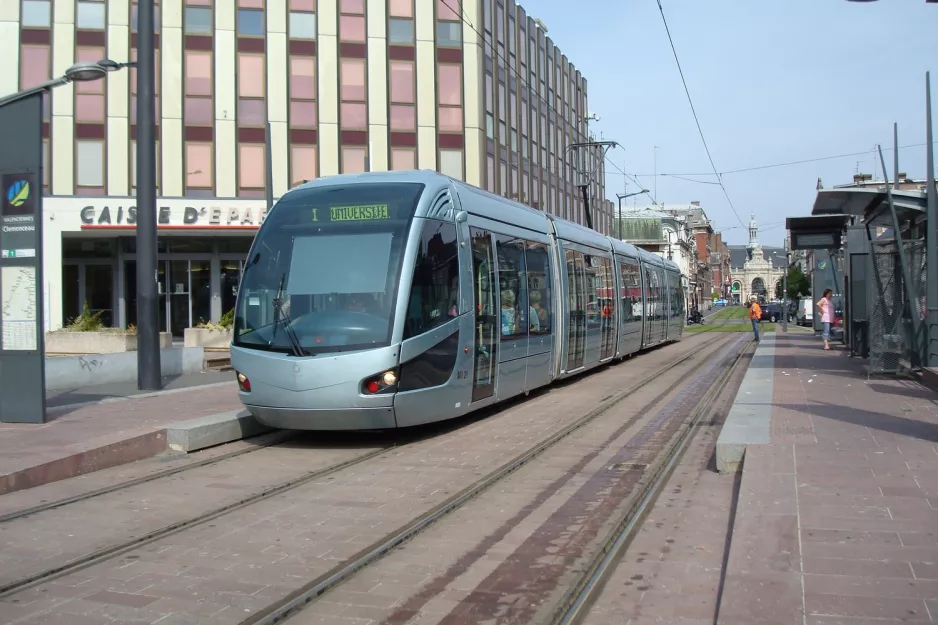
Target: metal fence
(894,345)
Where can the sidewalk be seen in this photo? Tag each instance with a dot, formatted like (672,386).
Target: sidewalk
(99,427)
(837,517)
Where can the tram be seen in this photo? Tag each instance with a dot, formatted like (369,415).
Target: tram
(387,300)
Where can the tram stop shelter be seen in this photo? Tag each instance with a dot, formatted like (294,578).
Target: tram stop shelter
(881,253)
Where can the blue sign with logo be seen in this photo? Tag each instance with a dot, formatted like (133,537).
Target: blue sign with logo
(18,195)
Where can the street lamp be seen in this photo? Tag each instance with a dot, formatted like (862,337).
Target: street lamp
(83,71)
(619,216)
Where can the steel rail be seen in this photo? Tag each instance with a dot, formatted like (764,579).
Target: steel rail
(574,606)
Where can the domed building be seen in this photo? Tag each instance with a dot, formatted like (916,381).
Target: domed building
(755,270)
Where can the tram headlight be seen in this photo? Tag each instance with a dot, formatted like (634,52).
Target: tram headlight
(385,382)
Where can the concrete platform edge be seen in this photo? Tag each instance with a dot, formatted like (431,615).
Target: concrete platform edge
(104,457)
(750,419)
(195,434)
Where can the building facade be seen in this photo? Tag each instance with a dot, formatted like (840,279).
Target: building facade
(482,95)
(755,271)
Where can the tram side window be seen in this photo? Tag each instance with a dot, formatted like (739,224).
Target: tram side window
(537,261)
(593,281)
(511,287)
(435,288)
(631,292)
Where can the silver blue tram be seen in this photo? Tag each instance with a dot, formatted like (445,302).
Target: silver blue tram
(391,299)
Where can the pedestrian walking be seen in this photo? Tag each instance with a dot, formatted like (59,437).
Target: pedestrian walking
(755,314)
(826,308)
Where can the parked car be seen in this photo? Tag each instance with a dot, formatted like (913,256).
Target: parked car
(805,314)
(771,312)
(720,302)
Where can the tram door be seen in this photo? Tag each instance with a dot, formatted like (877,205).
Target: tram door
(486,327)
(576,315)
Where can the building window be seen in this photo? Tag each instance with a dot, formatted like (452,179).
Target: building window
(352,21)
(302,92)
(89,96)
(251,169)
(89,165)
(353,160)
(403,159)
(302,19)
(91,15)
(449,24)
(252,110)
(251,18)
(198,106)
(403,90)
(134,16)
(200,159)
(133,167)
(36,14)
(450,98)
(302,164)
(133,86)
(199,17)
(354,110)
(401,31)
(451,163)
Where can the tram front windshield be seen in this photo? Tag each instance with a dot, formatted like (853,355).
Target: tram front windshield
(323,273)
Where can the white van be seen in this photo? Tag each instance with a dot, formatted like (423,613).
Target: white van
(805,314)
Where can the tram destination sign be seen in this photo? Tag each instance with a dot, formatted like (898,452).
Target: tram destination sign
(372,212)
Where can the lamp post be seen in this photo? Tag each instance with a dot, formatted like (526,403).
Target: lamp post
(83,71)
(621,197)
(149,371)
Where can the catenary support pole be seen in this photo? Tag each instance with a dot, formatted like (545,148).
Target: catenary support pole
(149,375)
(895,155)
(931,237)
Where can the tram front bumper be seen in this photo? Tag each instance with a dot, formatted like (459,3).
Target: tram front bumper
(323,419)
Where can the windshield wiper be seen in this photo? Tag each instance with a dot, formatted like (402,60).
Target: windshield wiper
(279,315)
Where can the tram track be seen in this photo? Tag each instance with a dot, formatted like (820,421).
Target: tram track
(301,598)
(575,603)
(342,572)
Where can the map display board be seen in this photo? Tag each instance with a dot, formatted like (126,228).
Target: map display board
(22,348)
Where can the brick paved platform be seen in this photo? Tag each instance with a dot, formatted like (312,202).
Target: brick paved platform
(837,517)
(82,438)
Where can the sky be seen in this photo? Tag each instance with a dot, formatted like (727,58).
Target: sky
(772,82)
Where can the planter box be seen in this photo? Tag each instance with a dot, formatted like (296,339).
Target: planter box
(203,337)
(64,342)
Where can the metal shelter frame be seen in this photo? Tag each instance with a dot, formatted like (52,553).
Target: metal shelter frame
(892,291)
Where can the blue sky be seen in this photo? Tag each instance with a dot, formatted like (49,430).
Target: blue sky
(772,81)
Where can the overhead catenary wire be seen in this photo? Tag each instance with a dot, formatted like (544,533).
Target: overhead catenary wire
(694,111)
(785,164)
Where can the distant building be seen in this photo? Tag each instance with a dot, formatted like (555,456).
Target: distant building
(755,270)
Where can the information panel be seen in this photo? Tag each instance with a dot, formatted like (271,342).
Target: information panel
(22,349)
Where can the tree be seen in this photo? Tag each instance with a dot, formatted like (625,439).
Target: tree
(798,284)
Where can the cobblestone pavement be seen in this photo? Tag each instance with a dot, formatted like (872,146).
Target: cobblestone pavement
(32,544)
(837,519)
(224,570)
(506,557)
(671,572)
(89,482)
(35,454)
